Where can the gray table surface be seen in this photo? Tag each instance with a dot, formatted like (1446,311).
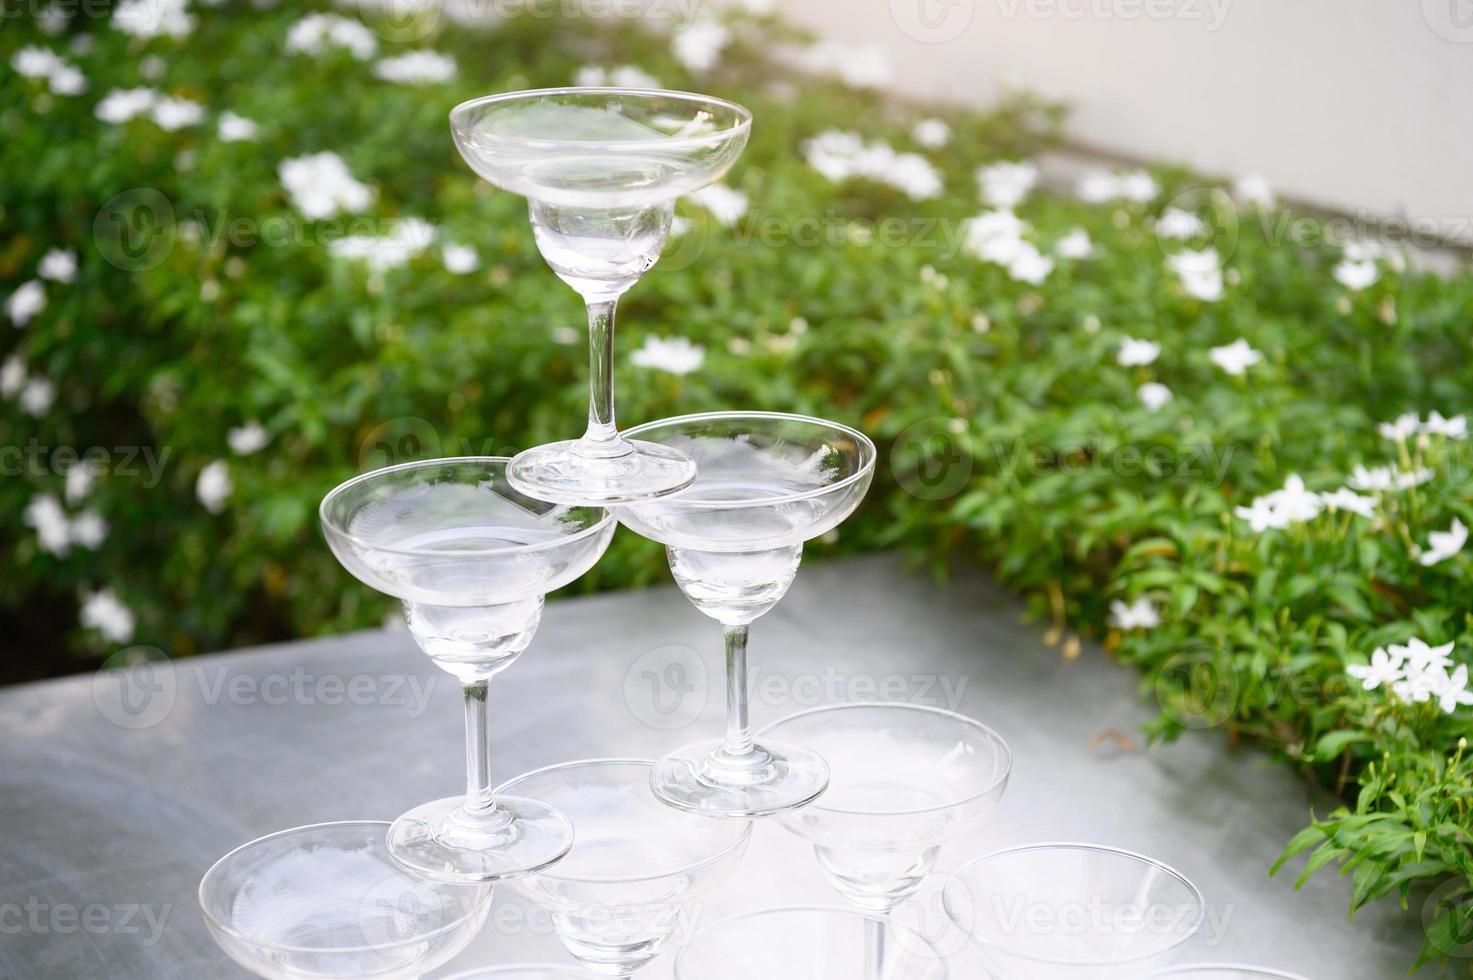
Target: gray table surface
(121,813)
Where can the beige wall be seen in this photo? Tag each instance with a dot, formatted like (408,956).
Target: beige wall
(1364,106)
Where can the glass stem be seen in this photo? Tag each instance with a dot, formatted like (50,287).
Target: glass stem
(874,948)
(738,727)
(602,440)
(480,802)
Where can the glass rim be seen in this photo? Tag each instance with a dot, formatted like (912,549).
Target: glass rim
(1200,903)
(840,910)
(743,124)
(902,705)
(1187,969)
(498,969)
(508,788)
(866,469)
(336,527)
(474,907)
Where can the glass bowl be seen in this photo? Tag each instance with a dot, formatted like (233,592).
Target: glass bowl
(327,901)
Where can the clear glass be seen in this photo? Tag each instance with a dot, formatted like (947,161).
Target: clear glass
(1222,971)
(906,779)
(328,901)
(472,559)
(600,169)
(1062,911)
(767,483)
(523,971)
(636,867)
(809,944)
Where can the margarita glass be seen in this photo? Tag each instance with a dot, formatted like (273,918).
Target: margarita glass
(472,559)
(601,169)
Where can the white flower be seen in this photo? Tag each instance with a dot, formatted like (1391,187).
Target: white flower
(1453,428)
(620,76)
(1445,544)
(1405,426)
(931,133)
(408,238)
(1030,265)
(1254,189)
(1138,615)
(174,114)
(37,396)
(26,302)
(314,33)
(1153,395)
(79,480)
(249,438)
(237,129)
(53,531)
(1294,501)
(1348,500)
(1003,185)
(840,155)
(1454,690)
(214,487)
(995,236)
(35,62)
(698,45)
(1420,657)
(123,104)
(1176,223)
(1199,272)
(1098,186)
(1075,245)
(1235,358)
(1137,352)
(59,265)
(320,185)
(567,336)
(724,204)
(676,355)
(67,80)
(459,259)
(1138,186)
(1356,275)
(12,376)
(88,530)
(417,68)
(1262,515)
(1282,507)
(61,77)
(864,66)
(153,18)
(1384,668)
(1388,478)
(104,611)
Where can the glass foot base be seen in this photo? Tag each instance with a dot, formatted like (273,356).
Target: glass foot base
(438,842)
(558,474)
(784,777)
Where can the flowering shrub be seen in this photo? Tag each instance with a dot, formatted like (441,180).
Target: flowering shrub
(242,261)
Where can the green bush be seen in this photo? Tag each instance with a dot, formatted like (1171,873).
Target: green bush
(204,301)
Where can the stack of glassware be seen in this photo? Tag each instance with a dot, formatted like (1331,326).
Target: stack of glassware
(618,850)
